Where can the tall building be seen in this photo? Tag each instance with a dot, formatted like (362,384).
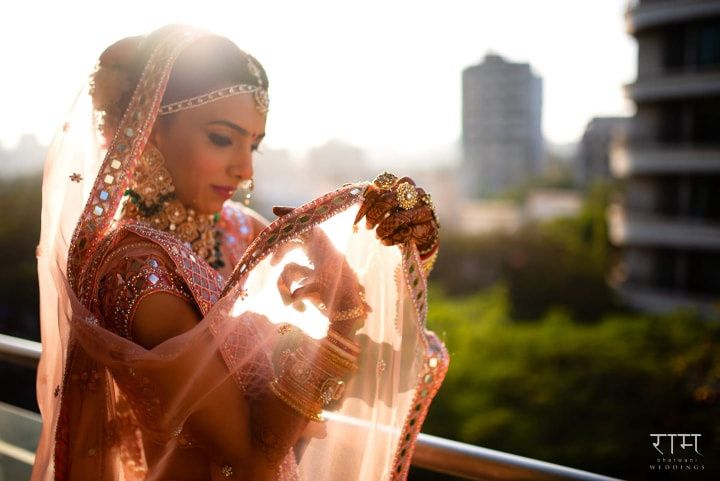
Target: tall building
(592,159)
(502,136)
(668,222)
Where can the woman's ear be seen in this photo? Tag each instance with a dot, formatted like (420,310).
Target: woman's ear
(155,133)
(159,133)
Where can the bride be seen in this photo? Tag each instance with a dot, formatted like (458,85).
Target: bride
(184,337)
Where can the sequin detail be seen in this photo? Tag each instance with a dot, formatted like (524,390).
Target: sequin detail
(127,281)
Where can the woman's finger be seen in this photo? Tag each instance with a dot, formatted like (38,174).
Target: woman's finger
(425,233)
(392,222)
(281,210)
(401,235)
(417,216)
(369,199)
(311,292)
(292,272)
(383,205)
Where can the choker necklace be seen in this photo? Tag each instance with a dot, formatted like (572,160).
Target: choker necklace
(152,198)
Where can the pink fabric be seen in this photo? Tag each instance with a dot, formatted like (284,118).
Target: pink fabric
(113,410)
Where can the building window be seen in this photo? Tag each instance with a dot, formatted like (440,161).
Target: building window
(708,44)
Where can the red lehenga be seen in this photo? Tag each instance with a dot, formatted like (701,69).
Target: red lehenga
(113,410)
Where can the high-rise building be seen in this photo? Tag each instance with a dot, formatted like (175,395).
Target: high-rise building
(502,134)
(668,222)
(592,161)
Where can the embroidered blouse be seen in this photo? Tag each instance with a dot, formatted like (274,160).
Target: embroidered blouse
(135,268)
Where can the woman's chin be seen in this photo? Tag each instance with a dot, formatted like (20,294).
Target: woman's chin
(212,207)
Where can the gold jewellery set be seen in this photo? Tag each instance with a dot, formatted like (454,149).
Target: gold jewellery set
(152,194)
(152,198)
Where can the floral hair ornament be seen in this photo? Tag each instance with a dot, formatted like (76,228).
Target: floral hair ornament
(259,91)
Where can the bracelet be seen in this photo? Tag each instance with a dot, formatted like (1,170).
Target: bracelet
(297,407)
(433,247)
(350,348)
(348,314)
(311,376)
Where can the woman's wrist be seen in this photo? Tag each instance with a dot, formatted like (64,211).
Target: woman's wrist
(315,374)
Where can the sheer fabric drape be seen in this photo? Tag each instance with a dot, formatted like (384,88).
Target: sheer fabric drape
(104,399)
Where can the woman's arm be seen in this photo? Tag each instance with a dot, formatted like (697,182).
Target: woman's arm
(251,438)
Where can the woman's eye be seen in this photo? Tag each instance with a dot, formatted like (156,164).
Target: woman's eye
(256,148)
(219,140)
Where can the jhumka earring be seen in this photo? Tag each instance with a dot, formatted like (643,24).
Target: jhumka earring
(152,199)
(246,187)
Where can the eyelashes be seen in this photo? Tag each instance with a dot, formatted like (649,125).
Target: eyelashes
(224,141)
(219,140)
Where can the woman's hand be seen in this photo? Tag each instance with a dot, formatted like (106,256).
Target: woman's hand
(331,284)
(400,212)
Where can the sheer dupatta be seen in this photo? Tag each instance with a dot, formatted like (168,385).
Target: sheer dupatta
(104,399)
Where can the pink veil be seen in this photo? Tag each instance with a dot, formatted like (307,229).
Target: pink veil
(99,393)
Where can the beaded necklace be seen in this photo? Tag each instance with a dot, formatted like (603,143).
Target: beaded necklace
(152,198)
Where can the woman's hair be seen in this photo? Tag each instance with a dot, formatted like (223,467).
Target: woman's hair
(209,63)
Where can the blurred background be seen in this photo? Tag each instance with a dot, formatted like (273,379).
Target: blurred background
(573,153)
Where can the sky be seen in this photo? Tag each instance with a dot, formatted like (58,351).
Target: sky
(385,76)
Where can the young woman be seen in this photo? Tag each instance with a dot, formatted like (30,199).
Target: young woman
(185,339)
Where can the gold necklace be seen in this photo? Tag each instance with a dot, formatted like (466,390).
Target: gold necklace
(152,199)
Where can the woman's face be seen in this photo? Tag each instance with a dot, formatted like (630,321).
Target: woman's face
(208,149)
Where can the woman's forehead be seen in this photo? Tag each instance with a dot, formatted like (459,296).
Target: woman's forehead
(240,110)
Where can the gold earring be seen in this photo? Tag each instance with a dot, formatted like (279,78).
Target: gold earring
(246,186)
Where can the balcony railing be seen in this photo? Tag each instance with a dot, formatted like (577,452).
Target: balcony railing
(675,86)
(641,15)
(631,228)
(20,429)
(629,159)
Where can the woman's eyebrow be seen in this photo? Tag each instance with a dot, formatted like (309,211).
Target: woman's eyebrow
(237,128)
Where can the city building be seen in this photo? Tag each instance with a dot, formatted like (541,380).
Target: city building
(592,159)
(501,122)
(668,220)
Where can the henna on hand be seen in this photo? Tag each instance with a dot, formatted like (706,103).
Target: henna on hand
(395,225)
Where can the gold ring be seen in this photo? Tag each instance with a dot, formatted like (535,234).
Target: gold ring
(406,195)
(427,200)
(385,181)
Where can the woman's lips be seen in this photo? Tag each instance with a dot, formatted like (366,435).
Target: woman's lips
(224,191)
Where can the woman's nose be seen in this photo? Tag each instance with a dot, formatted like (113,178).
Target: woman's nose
(241,166)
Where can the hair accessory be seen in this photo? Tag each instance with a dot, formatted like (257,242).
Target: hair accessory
(259,91)
(262,101)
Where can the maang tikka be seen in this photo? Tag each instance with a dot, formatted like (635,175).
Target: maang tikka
(259,92)
(152,199)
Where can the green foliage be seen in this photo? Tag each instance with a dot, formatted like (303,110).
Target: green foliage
(19,234)
(583,395)
(563,263)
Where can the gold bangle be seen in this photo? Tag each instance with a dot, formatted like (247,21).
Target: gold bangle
(348,314)
(428,263)
(343,343)
(339,361)
(433,247)
(297,407)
